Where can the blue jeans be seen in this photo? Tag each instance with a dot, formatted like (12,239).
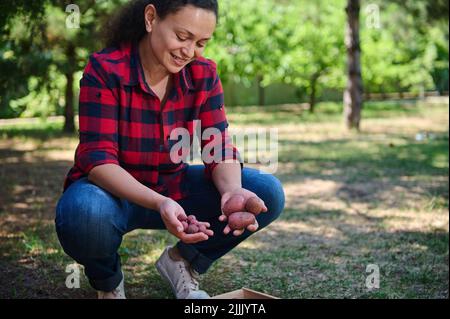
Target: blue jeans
(91,222)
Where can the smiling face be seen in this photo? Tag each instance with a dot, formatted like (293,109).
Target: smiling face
(179,38)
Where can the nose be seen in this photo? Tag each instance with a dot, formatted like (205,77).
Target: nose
(189,51)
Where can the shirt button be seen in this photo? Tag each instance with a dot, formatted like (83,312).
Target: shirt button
(99,94)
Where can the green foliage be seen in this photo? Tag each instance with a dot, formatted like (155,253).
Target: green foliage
(12,8)
(248,41)
(35,50)
(402,56)
(315,53)
(299,43)
(20,59)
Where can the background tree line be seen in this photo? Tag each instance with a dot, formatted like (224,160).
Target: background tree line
(403,46)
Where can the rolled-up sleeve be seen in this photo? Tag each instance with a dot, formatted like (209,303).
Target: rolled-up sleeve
(213,115)
(98,119)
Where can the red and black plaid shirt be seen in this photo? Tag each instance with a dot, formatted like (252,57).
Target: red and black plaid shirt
(121,121)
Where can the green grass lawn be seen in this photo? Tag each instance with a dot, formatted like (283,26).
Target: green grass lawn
(352,199)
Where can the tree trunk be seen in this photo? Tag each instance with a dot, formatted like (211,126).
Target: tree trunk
(261,92)
(69,125)
(353,95)
(312,96)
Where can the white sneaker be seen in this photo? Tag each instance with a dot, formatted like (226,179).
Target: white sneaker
(181,277)
(118,293)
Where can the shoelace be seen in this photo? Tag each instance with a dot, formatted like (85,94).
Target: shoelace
(192,283)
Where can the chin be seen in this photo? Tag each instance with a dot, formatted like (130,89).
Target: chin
(174,69)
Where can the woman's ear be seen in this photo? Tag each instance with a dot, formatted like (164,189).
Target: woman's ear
(149,17)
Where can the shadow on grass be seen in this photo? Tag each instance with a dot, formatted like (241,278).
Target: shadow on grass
(288,262)
(299,264)
(413,264)
(346,162)
(30,189)
(35,266)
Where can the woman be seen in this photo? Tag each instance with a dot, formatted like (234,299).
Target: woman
(151,79)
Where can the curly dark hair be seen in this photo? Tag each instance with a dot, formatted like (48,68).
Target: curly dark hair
(129,25)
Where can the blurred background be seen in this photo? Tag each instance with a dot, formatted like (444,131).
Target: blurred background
(359,93)
(268,52)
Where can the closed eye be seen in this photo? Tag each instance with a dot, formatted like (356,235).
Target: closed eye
(180,38)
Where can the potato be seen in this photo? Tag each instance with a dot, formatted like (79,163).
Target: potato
(254,205)
(192,226)
(240,220)
(235,203)
(192,219)
(192,229)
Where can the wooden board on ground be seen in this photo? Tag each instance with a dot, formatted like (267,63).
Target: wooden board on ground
(244,293)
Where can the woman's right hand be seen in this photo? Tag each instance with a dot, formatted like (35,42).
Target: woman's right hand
(170,212)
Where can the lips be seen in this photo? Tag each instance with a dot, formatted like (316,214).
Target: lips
(179,61)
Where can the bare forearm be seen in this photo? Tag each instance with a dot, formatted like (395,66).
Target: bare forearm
(120,183)
(227,177)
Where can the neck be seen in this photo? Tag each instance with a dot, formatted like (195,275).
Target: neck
(155,71)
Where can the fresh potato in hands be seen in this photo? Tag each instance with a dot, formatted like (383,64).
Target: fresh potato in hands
(192,229)
(192,219)
(254,205)
(192,226)
(235,203)
(240,220)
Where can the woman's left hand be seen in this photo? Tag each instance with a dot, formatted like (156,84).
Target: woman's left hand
(246,194)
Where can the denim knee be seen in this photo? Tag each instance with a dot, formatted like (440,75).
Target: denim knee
(271,191)
(88,221)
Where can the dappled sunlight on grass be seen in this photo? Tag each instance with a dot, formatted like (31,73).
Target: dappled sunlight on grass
(378,196)
(309,187)
(405,220)
(252,243)
(300,229)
